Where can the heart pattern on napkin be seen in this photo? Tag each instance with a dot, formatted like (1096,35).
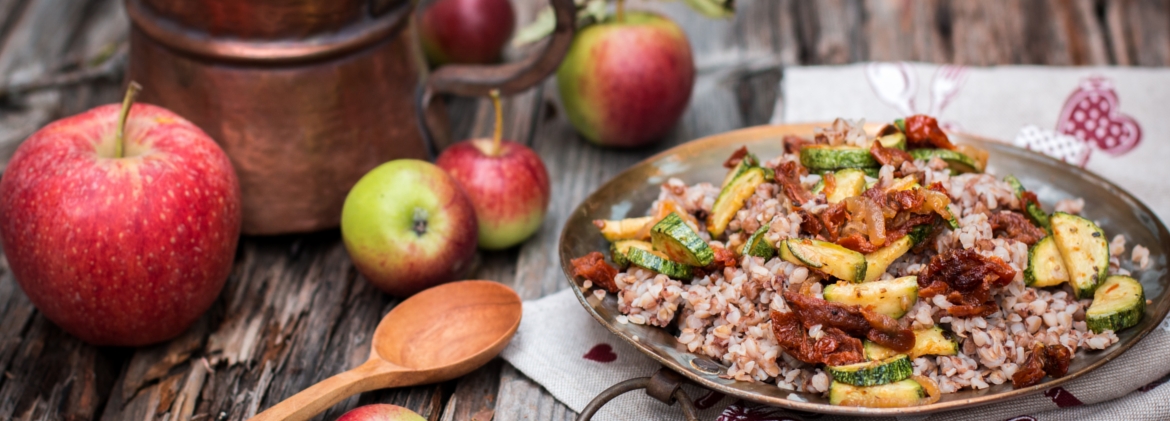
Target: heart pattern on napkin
(602,353)
(1091,114)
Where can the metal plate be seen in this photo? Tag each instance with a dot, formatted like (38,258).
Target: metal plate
(631,193)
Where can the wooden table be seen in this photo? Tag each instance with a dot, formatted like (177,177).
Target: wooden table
(295,311)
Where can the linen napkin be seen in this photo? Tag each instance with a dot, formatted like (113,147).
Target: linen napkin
(1105,119)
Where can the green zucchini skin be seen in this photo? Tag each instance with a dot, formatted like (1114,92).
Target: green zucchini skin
(930,341)
(830,258)
(619,249)
(759,246)
(1045,266)
(674,238)
(1083,249)
(900,394)
(892,298)
(872,373)
(649,260)
(731,199)
(1033,210)
(958,161)
(819,158)
(1118,303)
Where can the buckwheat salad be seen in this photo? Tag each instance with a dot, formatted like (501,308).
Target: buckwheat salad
(880,271)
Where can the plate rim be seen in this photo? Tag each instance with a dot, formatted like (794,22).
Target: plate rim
(756,132)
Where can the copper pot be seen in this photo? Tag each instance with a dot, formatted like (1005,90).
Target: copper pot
(306,96)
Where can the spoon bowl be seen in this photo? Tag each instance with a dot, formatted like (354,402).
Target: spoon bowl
(436,335)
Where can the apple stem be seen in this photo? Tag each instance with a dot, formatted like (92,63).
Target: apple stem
(127,102)
(620,11)
(498,131)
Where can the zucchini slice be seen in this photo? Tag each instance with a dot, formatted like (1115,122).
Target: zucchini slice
(1118,303)
(828,257)
(749,161)
(759,246)
(679,242)
(619,249)
(1045,266)
(871,373)
(877,262)
(918,234)
(659,263)
(898,394)
(1084,250)
(828,158)
(892,298)
(958,161)
(1033,210)
(850,182)
(623,229)
(731,199)
(895,140)
(930,341)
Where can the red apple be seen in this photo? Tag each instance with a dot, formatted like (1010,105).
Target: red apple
(408,226)
(120,245)
(508,185)
(625,82)
(466,31)
(381,412)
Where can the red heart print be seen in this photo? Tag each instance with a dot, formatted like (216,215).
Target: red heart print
(602,353)
(1062,398)
(1092,114)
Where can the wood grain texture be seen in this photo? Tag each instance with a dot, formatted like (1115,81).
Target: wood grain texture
(295,311)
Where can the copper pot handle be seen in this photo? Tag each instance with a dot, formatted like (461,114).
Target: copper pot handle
(664,385)
(508,78)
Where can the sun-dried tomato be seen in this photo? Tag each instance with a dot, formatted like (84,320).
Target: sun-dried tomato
(852,320)
(809,223)
(814,311)
(966,278)
(922,131)
(735,157)
(593,268)
(833,348)
(833,217)
(858,243)
(1016,226)
(1056,360)
(889,156)
(830,182)
(885,331)
(1032,371)
(792,144)
(723,258)
(788,177)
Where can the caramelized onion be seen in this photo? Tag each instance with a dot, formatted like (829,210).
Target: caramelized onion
(933,394)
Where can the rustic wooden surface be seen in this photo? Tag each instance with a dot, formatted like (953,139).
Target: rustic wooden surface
(294,310)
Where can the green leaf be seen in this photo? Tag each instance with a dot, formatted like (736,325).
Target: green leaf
(713,8)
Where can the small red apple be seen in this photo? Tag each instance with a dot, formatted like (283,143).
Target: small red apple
(408,226)
(505,180)
(466,31)
(120,240)
(508,185)
(380,412)
(626,81)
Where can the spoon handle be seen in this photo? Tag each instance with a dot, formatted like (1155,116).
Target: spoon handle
(319,397)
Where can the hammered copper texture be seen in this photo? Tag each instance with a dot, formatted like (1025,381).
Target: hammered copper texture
(631,193)
(300,135)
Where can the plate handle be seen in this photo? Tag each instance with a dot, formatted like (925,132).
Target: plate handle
(664,385)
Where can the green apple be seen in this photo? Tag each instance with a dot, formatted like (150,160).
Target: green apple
(409,226)
(625,82)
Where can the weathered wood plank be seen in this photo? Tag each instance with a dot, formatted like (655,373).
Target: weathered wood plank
(1138,31)
(831,31)
(905,31)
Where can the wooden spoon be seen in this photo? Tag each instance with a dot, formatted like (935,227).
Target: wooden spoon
(437,335)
